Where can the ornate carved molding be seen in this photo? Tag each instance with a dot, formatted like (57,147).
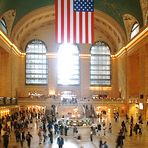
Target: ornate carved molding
(113,32)
(110,30)
(31,22)
(129,20)
(9,17)
(144,8)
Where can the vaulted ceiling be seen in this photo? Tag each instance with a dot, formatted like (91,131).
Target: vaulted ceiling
(30,15)
(114,8)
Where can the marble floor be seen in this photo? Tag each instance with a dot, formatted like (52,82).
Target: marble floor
(136,141)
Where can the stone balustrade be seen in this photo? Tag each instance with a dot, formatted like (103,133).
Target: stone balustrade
(57,101)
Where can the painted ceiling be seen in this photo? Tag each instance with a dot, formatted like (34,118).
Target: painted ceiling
(114,8)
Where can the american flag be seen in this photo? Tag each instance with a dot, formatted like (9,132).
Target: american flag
(74,21)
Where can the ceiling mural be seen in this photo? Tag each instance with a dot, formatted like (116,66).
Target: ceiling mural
(114,8)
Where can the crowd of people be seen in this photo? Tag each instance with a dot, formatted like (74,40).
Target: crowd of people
(48,126)
(19,123)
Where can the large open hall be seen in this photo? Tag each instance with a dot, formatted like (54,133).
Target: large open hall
(74,74)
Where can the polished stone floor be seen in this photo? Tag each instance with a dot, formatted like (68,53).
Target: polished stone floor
(136,141)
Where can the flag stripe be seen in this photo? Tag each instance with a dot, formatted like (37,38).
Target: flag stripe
(80,27)
(83,27)
(71,22)
(86,27)
(74,27)
(59,21)
(77,27)
(89,27)
(56,15)
(92,27)
(62,21)
(65,21)
(68,21)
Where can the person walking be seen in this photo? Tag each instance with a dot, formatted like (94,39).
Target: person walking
(6,140)
(136,127)
(91,136)
(22,137)
(99,129)
(56,128)
(40,135)
(28,139)
(1,128)
(51,136)
(17,135)
(104,129)
(100,143)
(105,145)
(131,129)
(132,119)
(119,141)
(110,128)
(74,130)
(44,136)
(66,130)
(140,128)
(60,141)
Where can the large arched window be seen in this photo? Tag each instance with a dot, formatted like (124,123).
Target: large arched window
(134,30)
(36,63)
(100,65)
(68,65)
(3,25)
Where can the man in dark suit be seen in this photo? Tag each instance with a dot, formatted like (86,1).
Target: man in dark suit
(60,141)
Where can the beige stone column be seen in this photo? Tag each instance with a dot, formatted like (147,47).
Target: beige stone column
(85,71)
(143,66)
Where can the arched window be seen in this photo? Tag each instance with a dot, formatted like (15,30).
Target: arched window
(100,65)
(36,63)
(3,25)
(135,30)
(68,65)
